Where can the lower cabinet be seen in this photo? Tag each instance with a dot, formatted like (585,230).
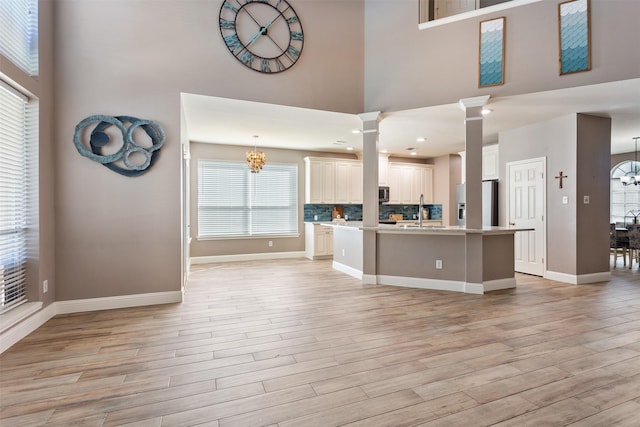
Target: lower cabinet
(318,241)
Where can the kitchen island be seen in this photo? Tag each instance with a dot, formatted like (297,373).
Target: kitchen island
(430,257)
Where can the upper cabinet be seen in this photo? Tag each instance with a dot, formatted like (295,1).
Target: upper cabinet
(407,181)
(332,180)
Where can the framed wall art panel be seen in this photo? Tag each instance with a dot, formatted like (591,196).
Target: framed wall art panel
(574,36)
(491,57)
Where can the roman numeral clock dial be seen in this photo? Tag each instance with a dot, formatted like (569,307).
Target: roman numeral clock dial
(264,35)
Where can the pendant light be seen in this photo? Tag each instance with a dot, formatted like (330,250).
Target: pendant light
(255,159)
(633,176)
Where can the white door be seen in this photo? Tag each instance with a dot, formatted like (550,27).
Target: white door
(453,7)
(526,202)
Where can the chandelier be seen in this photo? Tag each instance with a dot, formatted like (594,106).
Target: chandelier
(255,159)
(633,176)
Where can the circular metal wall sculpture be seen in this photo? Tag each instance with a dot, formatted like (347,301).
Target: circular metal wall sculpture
(120,161)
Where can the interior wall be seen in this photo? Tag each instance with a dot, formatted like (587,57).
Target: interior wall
(593,158)
(446,175)
(439,65)
(119,235)
(556,141)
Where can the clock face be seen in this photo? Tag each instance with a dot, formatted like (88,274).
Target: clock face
(265,35)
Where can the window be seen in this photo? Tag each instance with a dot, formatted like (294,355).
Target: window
(233,202)
(624,199)
(19,33)
(18,180)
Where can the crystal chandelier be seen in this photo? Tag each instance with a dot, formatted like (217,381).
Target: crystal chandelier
(633,176)
(255,159)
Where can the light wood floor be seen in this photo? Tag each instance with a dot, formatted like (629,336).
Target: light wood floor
(294,343)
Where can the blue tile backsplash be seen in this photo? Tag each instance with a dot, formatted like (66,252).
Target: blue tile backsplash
(354,212)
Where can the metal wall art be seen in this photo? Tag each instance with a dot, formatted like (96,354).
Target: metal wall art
(573,27)
(491,69)
(131,158)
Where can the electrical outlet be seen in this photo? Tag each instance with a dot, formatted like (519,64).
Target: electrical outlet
(45,286)
(438,264)
(315,217)
(565,200)
(270,243)
(343,252)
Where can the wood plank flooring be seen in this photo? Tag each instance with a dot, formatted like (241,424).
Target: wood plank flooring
(295,343)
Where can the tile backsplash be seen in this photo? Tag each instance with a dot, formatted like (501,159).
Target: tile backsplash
(354,212)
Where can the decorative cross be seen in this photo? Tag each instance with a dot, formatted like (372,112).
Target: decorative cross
(561,176)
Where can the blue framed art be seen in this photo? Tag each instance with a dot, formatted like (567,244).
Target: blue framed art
(574,32)
(491,68)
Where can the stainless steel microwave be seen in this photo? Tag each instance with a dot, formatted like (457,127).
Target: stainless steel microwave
(383,194)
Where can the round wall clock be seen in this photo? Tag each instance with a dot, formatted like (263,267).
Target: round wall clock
(265,35)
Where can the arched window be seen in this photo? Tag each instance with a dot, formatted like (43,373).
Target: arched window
(625,199)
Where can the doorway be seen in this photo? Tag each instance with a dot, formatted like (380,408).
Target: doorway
(526,207)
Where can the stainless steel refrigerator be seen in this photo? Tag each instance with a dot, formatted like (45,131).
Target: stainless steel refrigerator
(489,203)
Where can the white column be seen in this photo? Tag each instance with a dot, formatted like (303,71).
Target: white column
(473,159)
(370,209)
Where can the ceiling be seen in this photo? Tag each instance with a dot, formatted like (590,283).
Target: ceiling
(235,122)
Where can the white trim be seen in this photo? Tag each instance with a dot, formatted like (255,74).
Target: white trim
(369,279)
(18,314)
(420,283)
(246,257)
(582,279)
(495,285)
(29,324)
(118,301)
(347,270)
(474,288)
(476,101)
(474,13)
(26,326)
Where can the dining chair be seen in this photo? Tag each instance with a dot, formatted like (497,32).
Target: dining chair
(617,244)
(633,230)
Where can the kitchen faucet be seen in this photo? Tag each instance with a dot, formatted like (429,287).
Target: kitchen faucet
(420,210)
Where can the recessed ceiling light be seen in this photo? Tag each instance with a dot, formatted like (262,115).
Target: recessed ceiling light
(384,151)
(356,131)
(413,153)
(421,139)
(486,111)
(349,148)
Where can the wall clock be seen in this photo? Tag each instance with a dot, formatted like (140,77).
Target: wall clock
(265,35)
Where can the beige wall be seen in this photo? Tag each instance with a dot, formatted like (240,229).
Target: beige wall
(446,176)
(440,65)
(119,235)
(579,145)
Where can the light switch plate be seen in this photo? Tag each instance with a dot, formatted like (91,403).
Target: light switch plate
(586,200)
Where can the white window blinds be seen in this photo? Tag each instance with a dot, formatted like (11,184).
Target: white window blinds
(14,202)
(233,202)
(19,33)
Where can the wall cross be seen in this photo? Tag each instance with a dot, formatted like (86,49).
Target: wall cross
(561,176)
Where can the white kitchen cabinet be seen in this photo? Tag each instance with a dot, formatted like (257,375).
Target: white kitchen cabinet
(407,181)
(333,180)
(319,181)
(318,241)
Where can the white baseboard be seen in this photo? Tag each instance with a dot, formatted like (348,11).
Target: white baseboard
(347,270)
(582,279)
(20,330)
(495,285)
(416,282)
(26,326)
(246,257)
(118,301)
(369,279)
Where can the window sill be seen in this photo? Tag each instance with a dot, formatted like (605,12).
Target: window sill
(18,314)
(262,236)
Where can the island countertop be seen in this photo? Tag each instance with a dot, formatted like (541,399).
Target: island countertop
(425,229)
